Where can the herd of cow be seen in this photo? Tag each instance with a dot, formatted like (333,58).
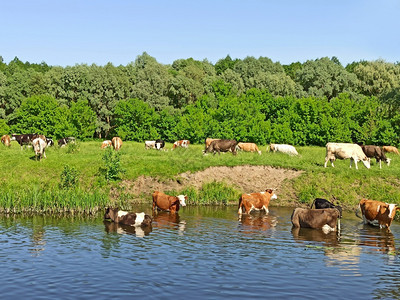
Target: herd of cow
(325,216)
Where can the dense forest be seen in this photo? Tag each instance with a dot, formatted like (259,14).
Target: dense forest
(250,99)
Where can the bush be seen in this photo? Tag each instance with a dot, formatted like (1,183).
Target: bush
(112,168)
(69,177)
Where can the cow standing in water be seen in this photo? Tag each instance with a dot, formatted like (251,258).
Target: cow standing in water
(162,201)
(127,218)
(326,219)
(377,213)
(255,201)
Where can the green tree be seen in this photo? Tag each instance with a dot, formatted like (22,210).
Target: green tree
(134,120)
(377,77)
(325,78)
(83,119)
(42,114)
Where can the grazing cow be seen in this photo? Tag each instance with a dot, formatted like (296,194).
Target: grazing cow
(116,143)
(181,143)
(105,144)
(23,139)
(391,149)
(160,144)
(39,146)
(208,142)
(288,149)
(248,147)
(222,146)
(346,150)
(64,141)
(150,144)
(377,213)
(376,152)
(6,140)
(320,203)
(255,201)
(127,218)
(162,201)
(326,219)
(49,142)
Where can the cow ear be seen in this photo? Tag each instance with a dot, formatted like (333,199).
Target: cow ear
(186,197)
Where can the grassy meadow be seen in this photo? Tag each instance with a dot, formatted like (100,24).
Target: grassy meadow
(30,185)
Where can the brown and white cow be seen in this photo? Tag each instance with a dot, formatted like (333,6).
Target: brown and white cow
(248,147)
(127,218)
(344,151)
(162,201)
(326,219)
(222,146)
(255,201)
(390,149)
(377,213)
(6,140)
(181,143)
(39,146)
(372,151)
(105,144)
(116,143)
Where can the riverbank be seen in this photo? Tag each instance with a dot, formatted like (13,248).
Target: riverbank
(29,185)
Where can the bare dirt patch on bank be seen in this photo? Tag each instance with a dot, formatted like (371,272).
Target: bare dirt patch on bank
(247,179)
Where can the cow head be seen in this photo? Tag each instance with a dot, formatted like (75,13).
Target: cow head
(367,162)
(111,213)
(182,199)
(271,192)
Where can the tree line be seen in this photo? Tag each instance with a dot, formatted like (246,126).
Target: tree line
(253,100)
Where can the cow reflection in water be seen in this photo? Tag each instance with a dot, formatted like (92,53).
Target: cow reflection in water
(378,240)
(164,219)
(258,221)
(329,239)
(139,231)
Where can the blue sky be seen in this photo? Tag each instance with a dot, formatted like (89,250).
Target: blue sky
(69,32)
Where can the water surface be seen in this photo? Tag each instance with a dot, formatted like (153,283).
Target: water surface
(200,253)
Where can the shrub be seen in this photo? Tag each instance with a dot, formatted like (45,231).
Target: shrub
(69,177)
(112,168)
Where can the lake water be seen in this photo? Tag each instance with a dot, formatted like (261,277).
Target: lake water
(200,253)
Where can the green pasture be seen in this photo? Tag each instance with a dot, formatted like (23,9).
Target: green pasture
(30,185)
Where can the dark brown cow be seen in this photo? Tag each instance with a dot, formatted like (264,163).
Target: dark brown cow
(169,203)
(326,219)
(6,140)
(127,218)
(222,146)
(255,201)
(26,139)
(377,213)
(376,152)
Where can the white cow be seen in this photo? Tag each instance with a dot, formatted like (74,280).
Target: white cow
(39,146)
(288,149)
(150,144)
(346,150)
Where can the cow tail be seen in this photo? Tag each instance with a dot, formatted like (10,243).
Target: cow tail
(240,209)
(358,209)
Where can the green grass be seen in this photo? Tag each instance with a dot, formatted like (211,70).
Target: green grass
(27,184)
